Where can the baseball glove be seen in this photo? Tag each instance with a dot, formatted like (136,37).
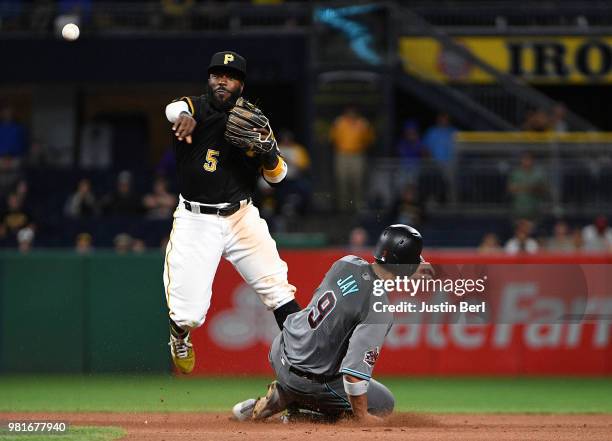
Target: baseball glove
(241,120)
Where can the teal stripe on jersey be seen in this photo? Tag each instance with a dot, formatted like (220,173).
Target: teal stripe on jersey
(355,373)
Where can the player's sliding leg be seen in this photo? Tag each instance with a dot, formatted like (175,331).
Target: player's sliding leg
(334,403)
(252,251)
(243,411)
(273,402)
(192,257)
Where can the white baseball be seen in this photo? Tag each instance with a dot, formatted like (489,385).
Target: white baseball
(70,32)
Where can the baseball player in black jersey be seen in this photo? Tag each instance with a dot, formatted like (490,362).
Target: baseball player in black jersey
(325,354)
(215,216)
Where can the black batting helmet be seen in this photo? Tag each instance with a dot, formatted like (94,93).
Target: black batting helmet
(399,244)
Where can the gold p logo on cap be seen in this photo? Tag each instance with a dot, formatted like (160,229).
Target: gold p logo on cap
(228,58)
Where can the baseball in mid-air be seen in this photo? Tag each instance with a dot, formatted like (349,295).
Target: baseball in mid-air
(70,32)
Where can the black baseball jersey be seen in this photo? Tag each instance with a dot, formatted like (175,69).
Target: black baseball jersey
(210,170)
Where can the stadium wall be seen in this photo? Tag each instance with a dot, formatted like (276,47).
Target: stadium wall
(62,312)
(179,59)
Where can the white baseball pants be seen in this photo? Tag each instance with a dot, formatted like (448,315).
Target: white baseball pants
(196,244)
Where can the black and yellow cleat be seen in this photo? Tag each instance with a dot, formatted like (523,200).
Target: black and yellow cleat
(182,352)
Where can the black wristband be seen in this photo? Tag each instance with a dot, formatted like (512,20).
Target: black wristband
(269,160)
(280,314)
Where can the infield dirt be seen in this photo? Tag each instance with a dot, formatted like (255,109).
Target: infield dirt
(400,426)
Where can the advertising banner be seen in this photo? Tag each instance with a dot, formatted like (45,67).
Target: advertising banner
(540,60)
(503,316)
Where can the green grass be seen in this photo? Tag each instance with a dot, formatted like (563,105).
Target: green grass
(169,394)
(74,433)
(503,395)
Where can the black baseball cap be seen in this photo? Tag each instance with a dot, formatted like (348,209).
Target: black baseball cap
(228,60)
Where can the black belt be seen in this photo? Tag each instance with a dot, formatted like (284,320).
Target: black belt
(317,378)
(205,209)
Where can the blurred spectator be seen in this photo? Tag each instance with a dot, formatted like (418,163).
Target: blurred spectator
(294,194)
(177,8)
(82,203)
(22,190)
(13,146)
(561,241)
(83,243)
(123,202)
(13,219)
(577,240)
(528,189)
(13,142)
(521,242)
(536,121)
(489,244)
(138,246)
(598,235)
(439,139)
(123,243)
(25,239)
(177,13)
(96,145)
(351,134)
(558,115)
(407,208)
(358,239)
(410,150)
(439,142)
(160,204)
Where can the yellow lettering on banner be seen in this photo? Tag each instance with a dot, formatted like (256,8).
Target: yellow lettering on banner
(228,58)
(211,160)
(541,60)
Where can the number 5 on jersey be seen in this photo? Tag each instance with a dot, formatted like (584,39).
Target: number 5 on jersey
(211,160)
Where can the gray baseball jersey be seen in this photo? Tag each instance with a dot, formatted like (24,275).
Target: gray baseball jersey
(339,332)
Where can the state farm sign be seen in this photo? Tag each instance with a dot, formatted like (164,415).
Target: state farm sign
(539,320)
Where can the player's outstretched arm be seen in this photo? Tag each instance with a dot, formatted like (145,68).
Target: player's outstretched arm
(357,391)
(183,123)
